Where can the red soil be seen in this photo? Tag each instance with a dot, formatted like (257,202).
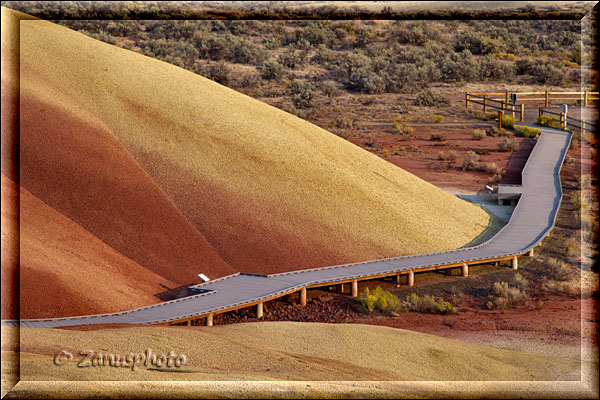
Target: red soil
(84,190)
(77,167)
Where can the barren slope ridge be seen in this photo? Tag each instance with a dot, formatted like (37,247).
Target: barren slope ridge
(269,191)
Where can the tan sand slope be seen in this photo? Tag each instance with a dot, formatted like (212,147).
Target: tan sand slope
(288,351)
(269,191)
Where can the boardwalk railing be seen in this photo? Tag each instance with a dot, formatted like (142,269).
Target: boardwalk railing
(547,97)
(500,105)
(565,121)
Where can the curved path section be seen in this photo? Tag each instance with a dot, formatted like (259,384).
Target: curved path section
(539,199)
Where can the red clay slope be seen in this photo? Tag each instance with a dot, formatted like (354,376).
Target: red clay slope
(74,164)
(65,270)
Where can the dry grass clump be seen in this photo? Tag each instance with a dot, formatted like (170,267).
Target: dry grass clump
(562,278)
(469,161)
(437,118)
(478,134)
(507,144)
(457,296)
(504,296)
(429,304)
(558,270)
(568,288)
(490,168)
(438,137)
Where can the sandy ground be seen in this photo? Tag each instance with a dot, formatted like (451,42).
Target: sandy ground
(284,350)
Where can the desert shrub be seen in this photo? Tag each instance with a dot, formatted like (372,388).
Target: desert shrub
(220,73)
(558,270)
(469,161)
(271,70)
(569,159)
(437,118)
(493,131)
(508,122)
(457,296)
(507,144)
(401,125)
(442,156)
(429,98)
(527,131)
(490,168)
(451,157)
(478,134)
(272,43)
(504,296)
(548,121)
(289,58)
(380,300)
(429,304)
(491,68)
(438,137)
(520,281)
(330,89)
(569,288)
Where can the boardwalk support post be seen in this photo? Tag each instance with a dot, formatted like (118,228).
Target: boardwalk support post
(341,288)
(209,320)
(188,322)
(354,288)
(259,310)
(530,253)
(303,296)
(515,263)
(411,278)
(465,270)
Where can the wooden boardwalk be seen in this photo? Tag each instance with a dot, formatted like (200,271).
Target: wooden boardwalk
(540,196)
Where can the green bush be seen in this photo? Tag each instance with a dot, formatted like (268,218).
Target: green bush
(548,121)
(380,300)
(527,131)
(508,122)
(429,304)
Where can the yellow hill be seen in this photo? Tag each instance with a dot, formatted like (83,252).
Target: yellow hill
(269,191)
(288,351)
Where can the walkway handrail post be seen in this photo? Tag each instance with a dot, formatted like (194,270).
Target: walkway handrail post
(522,112)
(546,104)
(506,96)
(500,115)
(467,100)
(484,104)
(585,98)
